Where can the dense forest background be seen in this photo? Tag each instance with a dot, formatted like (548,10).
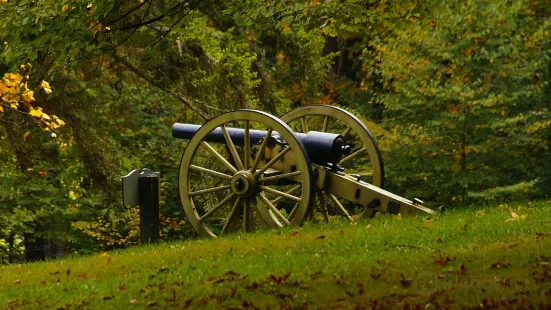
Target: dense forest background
(456,92)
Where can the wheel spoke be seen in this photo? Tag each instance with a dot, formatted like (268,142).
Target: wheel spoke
(209,190)
(279,193)
(232,148)
(218,206)
(349,157)
(247,154)
(221,158)
(272,161)
(245,215)
(325,123)
(292,190)
(294,210)
(323,206)
(270,206)
(341,207)
(304,124)
(279,176)
(261,150)
(232,213)
(346,132)
(210,172)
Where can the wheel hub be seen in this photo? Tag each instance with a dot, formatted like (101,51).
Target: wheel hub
(243,183)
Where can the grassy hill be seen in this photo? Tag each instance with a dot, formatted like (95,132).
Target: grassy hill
(493,256)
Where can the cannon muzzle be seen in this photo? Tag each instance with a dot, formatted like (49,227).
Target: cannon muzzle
(322,147)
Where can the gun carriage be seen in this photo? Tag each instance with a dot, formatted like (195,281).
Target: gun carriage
(247,169)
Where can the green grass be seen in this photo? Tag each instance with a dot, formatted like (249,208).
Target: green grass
(464,258)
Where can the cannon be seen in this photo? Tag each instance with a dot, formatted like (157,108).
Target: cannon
(247,169)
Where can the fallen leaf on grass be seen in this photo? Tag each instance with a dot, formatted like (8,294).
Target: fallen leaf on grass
(83,275)
(500,264)
(516,217)
(280,279)
(375,276)
(285,296)
(294,233)
(406,282)
(444,261)
(68,272)
(107,298)
(152,304)
(133,301)
(17,281)
(187,303)
(541,235)
(231,273)
(176,283)
(104,254)
(321,237)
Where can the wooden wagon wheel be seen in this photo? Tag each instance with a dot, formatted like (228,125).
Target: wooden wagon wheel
(227,187)
(364,162)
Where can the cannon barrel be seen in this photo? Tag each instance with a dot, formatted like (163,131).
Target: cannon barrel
(322,147)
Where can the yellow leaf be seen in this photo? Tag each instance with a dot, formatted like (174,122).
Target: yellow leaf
(516,217)
(46,86)
(65,8)
(28,96)
(104,254)
(36,112)
(26,135)
(1,108)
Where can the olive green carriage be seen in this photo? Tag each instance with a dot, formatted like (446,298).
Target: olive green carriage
(247,169)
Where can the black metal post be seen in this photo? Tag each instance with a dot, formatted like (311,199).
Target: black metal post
(148,195)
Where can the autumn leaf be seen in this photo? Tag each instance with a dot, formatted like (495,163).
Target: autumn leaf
(26,135)
(516,217)
(442,262)
(406,282)
(294,233)
(46,86)
(36,112)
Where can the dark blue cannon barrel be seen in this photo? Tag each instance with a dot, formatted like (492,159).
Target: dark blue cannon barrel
(322,147)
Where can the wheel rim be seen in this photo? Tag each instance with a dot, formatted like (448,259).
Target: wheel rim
(224,191)
(365,152)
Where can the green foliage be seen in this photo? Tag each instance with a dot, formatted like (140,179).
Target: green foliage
(464,97)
